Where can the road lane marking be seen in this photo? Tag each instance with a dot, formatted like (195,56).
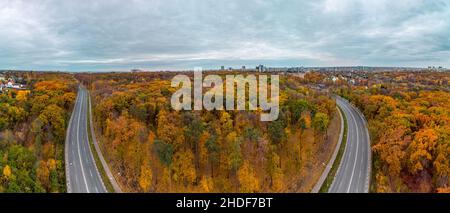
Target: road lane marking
(356,156)
(76,179)
(69,144)
(335,184)
(361,171)
(78,145)
(368,166)
(342,171)
(343,165)
(348,153)
(99,185)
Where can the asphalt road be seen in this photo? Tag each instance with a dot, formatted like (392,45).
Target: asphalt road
(353,174)
(82,175)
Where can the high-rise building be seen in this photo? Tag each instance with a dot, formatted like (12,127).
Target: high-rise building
(260,68)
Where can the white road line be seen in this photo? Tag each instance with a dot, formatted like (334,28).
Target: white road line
(344,169)
(368,150)
(344,165)
(369,160)
(70,144)
(356,157)
(91,154)
(85,153)
(78,145)
(76,179)
(348,147)
(360,171)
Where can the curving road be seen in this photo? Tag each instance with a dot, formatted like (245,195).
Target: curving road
(82,175)
(353,174)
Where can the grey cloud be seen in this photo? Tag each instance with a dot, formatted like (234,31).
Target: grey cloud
(161,34)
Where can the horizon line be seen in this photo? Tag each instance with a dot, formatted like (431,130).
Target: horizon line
(226,68)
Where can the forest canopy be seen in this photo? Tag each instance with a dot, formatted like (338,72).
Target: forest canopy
(409,123)
(32,132)
(153,148)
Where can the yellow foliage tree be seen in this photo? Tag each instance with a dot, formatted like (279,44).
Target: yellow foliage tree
(206,184)
(247,179)
(22,95)
(146,177)
(167,129)
(277,180)
(7,172)
(183,167)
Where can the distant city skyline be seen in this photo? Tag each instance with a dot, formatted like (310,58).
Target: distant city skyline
(179,35)
(260,68)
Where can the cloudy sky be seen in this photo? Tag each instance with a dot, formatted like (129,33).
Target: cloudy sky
(102,35)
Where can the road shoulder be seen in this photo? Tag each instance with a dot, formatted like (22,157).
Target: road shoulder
(66,147)
(330,163)
(99,154)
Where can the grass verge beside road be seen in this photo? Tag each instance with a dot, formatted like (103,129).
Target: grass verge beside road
(100,168)
(329,180)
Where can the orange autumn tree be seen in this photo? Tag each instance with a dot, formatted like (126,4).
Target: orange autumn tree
(422,148)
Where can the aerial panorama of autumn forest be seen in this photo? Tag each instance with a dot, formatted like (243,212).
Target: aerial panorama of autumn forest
(205,105)
(147,146)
